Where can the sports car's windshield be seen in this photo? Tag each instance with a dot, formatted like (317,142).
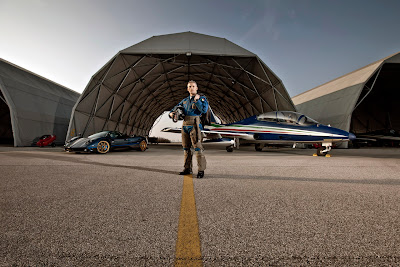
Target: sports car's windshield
(288,117)
(98,135)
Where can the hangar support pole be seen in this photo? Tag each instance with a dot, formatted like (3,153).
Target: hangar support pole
(110,113)
(255,89)
(166,78)
(92,112)
(94,109)
(233,91)
(211,74)
(236,93)
(274,88)
(236,81)
(139,79)
(149,86)
(224,85)
(370,89)
(243,95)
(159,76)
(99,82)
(225,106)
(240,68)
(127,68)
(3,100)
(250,102)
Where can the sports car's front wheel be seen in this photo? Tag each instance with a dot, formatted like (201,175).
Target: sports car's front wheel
(103,147)
(143,145)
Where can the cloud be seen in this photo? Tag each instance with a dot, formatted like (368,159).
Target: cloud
(292,14)
(265,26)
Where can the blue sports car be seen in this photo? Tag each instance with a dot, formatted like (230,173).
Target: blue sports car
(105,141)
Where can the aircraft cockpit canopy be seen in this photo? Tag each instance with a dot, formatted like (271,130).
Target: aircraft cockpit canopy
(287,117)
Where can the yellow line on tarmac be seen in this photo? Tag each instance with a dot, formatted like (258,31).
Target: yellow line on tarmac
(188,251)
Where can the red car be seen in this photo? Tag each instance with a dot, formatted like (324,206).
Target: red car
(46,140)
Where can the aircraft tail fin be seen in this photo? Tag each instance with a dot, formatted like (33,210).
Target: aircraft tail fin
(214,119)
(209,118)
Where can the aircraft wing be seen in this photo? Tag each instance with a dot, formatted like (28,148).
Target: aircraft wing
(171,130)
(209,134)
(380,137)
(227,134)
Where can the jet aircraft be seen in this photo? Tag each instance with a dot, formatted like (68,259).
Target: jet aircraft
(276,127)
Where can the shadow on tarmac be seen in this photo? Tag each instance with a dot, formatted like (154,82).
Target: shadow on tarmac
(392,153)
(214,175)
(302,179)
(82,161)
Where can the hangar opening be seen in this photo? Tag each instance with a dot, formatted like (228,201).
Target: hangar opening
(377,111)
(364,102)
(6,134)
(141,82)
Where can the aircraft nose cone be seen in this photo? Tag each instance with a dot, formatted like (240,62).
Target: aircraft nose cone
(352,137)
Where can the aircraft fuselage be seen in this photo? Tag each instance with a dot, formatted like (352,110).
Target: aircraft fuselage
(252,129)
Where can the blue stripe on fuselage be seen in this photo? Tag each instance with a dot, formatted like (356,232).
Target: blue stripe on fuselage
(320,128)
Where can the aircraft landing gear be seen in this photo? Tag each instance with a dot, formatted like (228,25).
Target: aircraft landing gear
(319,151)
(324,149)
(259,147)
(235,144)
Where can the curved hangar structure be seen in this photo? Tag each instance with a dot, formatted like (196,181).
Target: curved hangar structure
(363,101)
(141,82)
(32,106)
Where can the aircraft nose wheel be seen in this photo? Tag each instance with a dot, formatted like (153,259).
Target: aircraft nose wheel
(322,151)
(229,148)
(319,151)
(258,147)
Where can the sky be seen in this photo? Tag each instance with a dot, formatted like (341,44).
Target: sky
(305,42)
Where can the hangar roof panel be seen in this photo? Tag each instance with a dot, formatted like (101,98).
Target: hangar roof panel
(6,70)
(353,78)
(181,43)
(37,106)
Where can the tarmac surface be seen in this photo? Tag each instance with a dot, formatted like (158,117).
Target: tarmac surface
(280,207)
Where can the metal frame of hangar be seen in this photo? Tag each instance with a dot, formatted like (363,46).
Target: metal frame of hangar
(361,101)
(141,82)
